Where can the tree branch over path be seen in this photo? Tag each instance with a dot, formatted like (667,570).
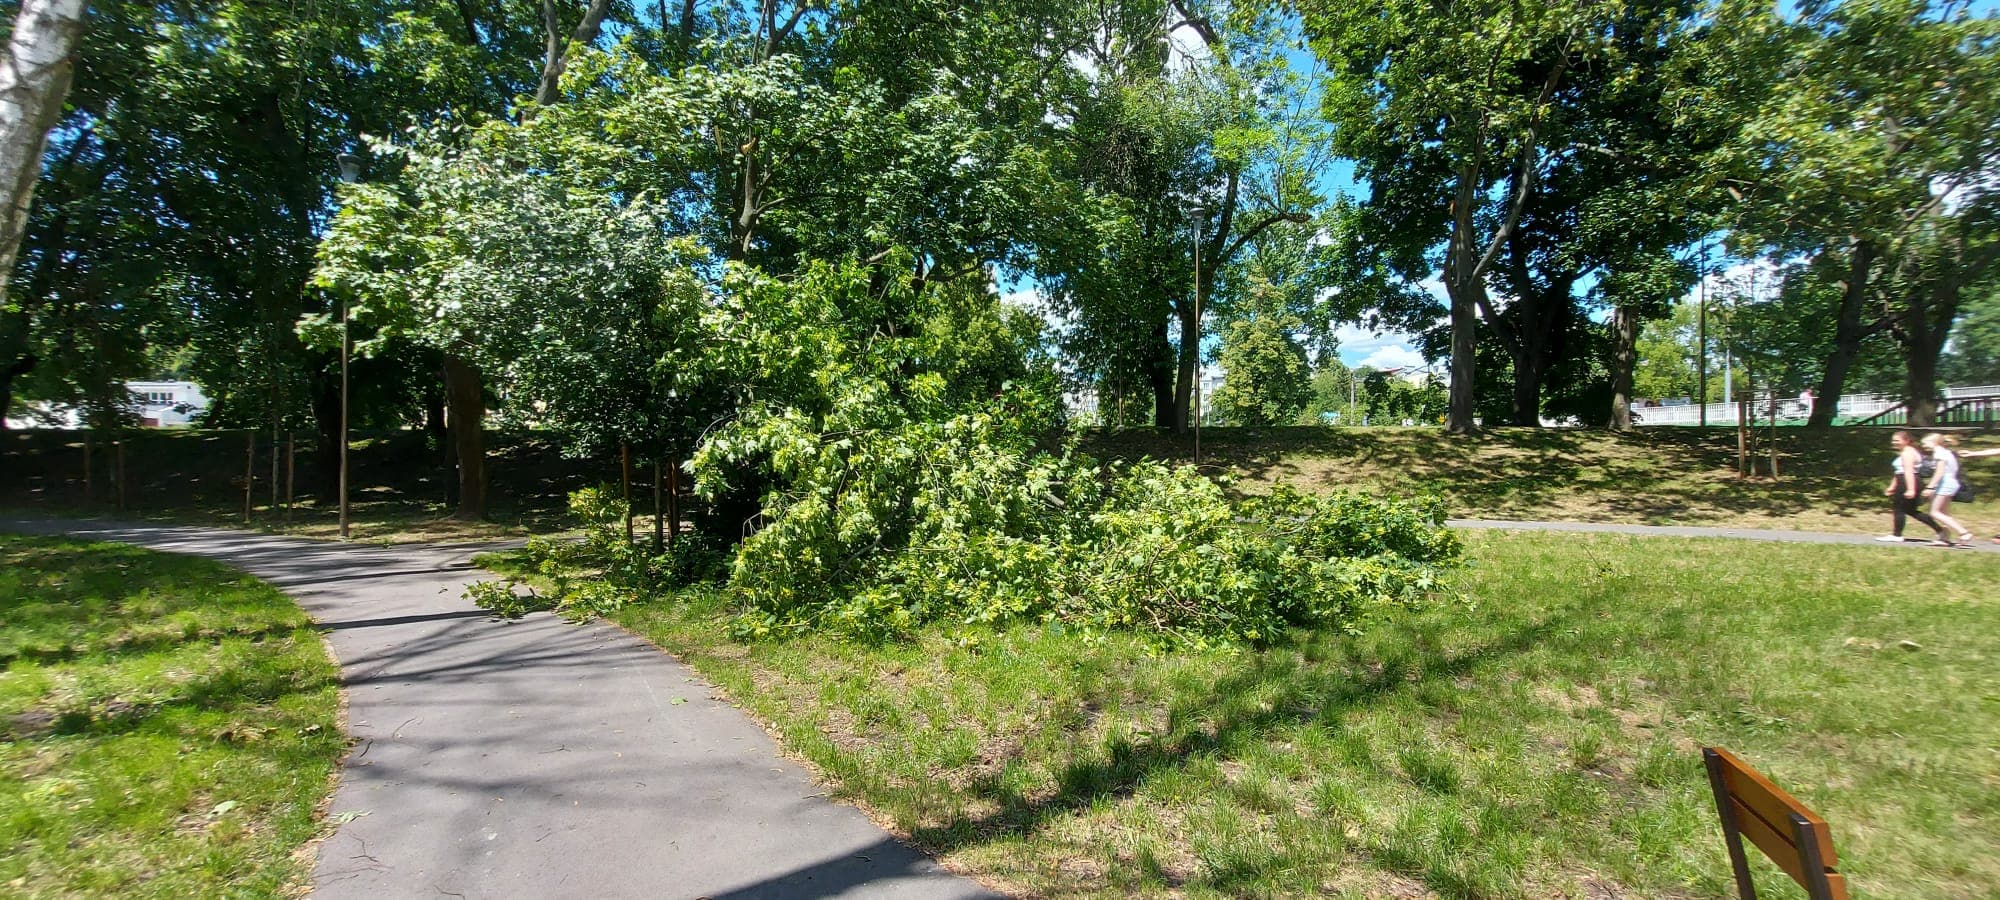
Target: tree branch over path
(560,52)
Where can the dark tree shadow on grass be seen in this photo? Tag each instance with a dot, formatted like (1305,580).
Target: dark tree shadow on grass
(1307,694)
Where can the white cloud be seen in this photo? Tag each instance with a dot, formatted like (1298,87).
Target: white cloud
(1031,300)
(1751,280)
(1387,350)
(1393,357)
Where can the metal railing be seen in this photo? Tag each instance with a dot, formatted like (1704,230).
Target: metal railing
(1975,399)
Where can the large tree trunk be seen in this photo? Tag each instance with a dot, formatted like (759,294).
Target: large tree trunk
(34,79)
(1464,287)
(1624,359)
(465,402)
(1920,387)
(1464,364)
(1848,333)
(1527,410)
(1160,377)
(19,366)
(1188,368)
(1926,324)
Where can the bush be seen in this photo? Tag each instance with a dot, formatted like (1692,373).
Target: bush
(599,574)
(958,521)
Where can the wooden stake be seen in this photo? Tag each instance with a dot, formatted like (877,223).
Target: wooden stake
(249,470)
(674,502)
(659,521)
(1742,438)
(1774,437)
(274,465)
(291,474)
(625,483)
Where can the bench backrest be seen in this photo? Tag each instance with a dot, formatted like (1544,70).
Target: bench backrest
(1751,807)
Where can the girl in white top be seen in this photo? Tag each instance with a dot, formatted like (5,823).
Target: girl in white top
(1944,483)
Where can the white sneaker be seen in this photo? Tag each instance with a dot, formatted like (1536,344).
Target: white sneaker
(1890,539)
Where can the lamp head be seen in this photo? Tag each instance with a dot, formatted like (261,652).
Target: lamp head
(350,167)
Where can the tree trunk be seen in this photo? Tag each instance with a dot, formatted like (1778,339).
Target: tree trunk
(1921,349)
(1920,366)
(1463,285)
(1160,377)
(1624,359)
(1848,333)
(686,31)
(466,403)
(34,79)
(1527,392)
(21,365)
(1927,318)
(659,512)
(673,502)
(625,488)
(557,56)
(1464,364)
(1188,368)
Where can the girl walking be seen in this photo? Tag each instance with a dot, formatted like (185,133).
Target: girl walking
(1902,489)
(1944,484)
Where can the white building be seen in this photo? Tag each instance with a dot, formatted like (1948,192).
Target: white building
(159,404)
(164,404)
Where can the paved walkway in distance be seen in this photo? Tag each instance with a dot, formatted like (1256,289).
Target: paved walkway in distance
(1747,534)
(537,758)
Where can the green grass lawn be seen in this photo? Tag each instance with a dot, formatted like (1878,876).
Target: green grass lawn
(1828,480)
(168,726)
(1539,738)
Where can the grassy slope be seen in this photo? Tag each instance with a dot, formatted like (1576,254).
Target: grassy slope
(1829,481)
(1541,739)
(1832,481)
(168,726)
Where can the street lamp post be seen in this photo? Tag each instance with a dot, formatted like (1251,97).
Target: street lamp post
(1195,215)
(350,172)
(1701,338)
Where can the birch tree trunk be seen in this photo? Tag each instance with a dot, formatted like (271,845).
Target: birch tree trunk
(34,79)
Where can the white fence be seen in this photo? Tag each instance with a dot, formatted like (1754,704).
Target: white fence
(1852,406)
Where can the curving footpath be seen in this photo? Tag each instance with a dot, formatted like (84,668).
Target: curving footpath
(1744,534)
(537,758)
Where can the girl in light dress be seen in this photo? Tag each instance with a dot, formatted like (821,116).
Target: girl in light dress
(1944,483)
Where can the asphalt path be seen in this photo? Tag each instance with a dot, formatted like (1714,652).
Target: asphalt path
(537,758)
(1920,534)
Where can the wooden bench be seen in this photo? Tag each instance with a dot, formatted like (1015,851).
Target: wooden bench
(1790,834)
